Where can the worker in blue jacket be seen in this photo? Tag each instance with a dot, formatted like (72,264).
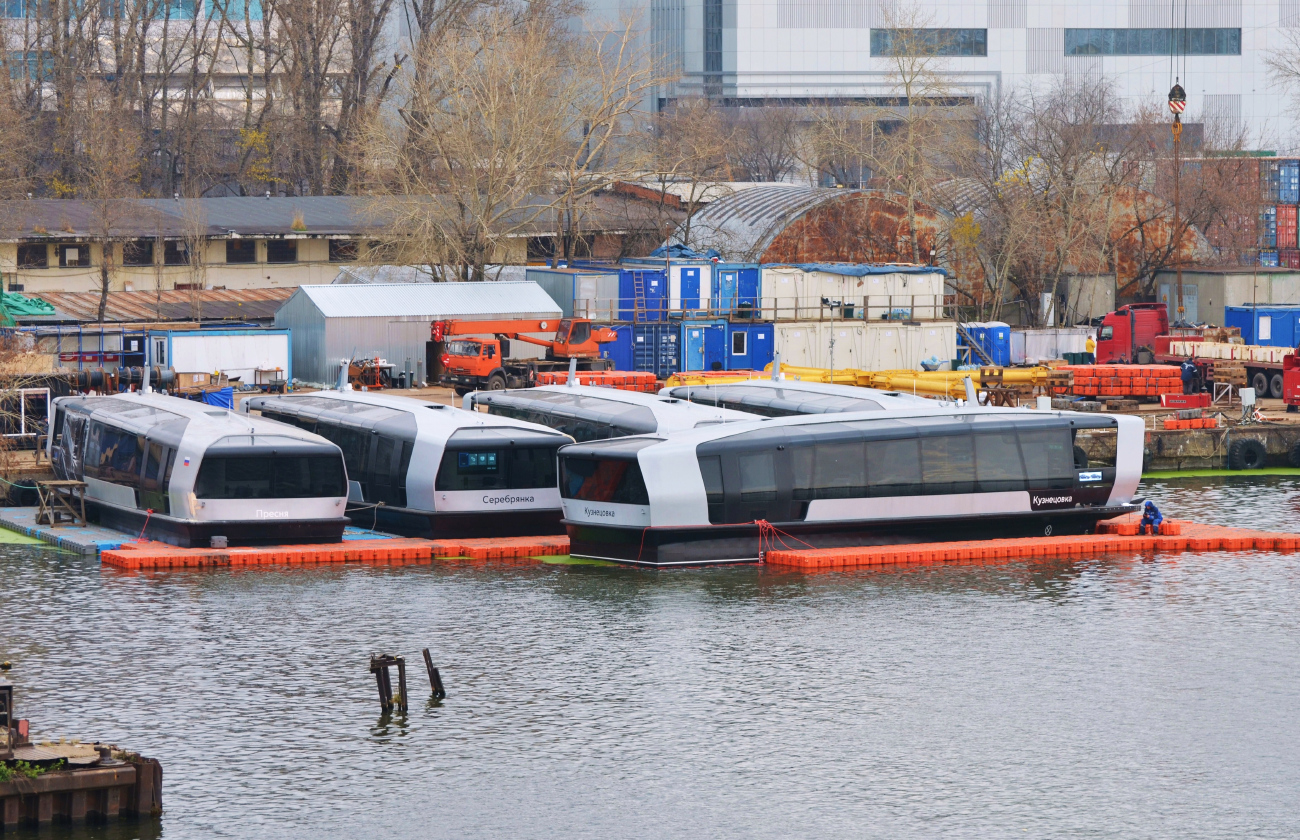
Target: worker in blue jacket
(1189,373)
(1151,518)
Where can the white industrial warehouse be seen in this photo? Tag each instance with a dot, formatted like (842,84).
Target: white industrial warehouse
(334,323)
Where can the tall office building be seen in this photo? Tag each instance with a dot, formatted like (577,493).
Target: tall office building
(795,50)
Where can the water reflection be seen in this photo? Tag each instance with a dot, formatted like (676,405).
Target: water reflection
(1096,696)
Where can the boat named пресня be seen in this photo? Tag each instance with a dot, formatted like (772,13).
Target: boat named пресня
(185,472)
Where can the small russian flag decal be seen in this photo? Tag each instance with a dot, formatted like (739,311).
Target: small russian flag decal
(187,462)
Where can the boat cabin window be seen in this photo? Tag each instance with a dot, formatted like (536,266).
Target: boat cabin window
(612,480)
(280,476)
(785,469)
(113,454)
(1096,448)
(497,468)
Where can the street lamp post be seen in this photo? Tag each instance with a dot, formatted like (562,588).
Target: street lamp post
(1177,104)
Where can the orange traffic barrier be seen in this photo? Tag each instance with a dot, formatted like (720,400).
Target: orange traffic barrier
(1112,537)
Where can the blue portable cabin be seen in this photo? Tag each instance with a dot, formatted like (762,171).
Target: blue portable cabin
(1267,326)
(645,347)
(704,344)
(750,345)
(642,290)
(689,279)
(584,292)
(735,288)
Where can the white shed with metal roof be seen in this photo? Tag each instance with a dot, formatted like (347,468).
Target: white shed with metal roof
(336,322)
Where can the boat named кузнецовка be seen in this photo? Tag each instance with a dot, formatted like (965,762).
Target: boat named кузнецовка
(834,480)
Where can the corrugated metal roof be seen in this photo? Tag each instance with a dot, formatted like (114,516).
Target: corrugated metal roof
(64,220)
(379,274)
(135,307)
(741,226)
(432,300)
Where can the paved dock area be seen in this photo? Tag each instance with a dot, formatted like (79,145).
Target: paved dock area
(82,539)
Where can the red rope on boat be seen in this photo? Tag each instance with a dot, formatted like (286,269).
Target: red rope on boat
(769,536)
(148,513)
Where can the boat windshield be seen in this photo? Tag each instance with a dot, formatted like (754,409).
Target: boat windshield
(285,476)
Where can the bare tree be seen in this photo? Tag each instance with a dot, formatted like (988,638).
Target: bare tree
(687,155)
(765,142)
(495,131)
(916,142)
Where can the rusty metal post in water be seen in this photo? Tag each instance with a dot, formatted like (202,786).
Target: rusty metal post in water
(435,679)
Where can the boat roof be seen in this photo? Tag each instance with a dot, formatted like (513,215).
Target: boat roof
(911,416)
(141,412)
(806,397)
(434,418)
(670,414)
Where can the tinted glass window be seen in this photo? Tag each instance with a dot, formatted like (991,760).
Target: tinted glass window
(948,464)
(1049,458)
(757,476)
(895,467)
(711,473)
(1095,448)
(114,455)
(840,470)
(270,477)
(997,462)
(506,468)
(603,480)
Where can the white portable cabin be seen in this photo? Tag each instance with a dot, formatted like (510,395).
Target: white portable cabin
(872,293)
(865,345)
(427,469)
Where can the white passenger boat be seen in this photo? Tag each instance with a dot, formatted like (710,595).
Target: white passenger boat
(861,478)
(429,470)
(185,472)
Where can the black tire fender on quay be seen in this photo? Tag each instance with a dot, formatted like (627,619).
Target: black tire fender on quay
(1293,457)
(1246,454)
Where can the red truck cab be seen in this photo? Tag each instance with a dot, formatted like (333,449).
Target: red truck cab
(1128,335)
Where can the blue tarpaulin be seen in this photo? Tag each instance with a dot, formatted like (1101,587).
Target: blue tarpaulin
(862,269)
(678,251)
(221,398)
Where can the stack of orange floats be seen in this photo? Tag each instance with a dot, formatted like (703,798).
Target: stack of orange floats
(643,381)
(1125,380)
(1114,537)
(1174,424)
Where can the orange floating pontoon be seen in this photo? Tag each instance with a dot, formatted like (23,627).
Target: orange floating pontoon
(155,555)
(1114,537)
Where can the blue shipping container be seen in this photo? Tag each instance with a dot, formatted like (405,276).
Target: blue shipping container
(1268,259)
(1267,326)
(750,346)
(704,345)
(1288,190)
(644,347)
(642,295)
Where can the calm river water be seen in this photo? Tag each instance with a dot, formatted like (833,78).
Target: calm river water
(1125,697)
